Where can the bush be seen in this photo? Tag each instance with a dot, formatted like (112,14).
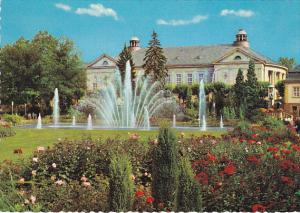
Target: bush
(6,131)
(121,189)
(272,123)
(189,193)
(13,119)
(165,168)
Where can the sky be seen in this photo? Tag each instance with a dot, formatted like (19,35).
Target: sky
(99,27)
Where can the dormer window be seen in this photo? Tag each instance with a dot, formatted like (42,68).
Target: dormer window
(105,63)
(237,58)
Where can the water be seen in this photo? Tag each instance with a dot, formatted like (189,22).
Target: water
(202,106)
(39,123)
(74,121)
(56,108)
(120,105)
(174,120)
(89,123)
(221,123)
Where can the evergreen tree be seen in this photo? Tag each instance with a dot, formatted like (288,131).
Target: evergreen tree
(155,61)
(165,168)
(189,193)
(189,97)
(239,91)
(252,101)
(121,187)
(125,56)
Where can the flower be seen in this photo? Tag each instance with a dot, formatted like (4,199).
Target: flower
(296,147)
(40,149)
(21,180)
(139,193)
(253,159)
(87,184)
(182,134)
(33,172)
(211,157)
(272,149)
(229,169)
(258,207)
(251,141)
(35,160)
(59,182)
(53,177)
(54,165)
(258,143)
(150,200)
(26,201)
(83,179)
(286,151)
(202,177)
(132,177)
(287,180)
(32,199)
(254,135)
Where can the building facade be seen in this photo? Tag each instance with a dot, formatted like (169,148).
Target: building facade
(292,92)
(190,64)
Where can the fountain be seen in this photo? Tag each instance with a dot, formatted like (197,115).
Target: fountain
(89,123)
(39,123)
(74,121)
(221,123)
(174,120)
(202,106)
(124,105)
(56,108)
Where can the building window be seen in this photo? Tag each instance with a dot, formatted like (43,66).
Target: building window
(201,76)
(178,79)
(237,58)
(190,78)
(105,63)
(95,86)
(296,92)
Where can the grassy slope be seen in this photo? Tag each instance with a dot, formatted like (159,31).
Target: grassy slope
(29,139)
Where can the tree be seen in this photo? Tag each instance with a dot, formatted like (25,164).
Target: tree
(239,91)
(165,168)
(189,98)
(287,62)
(280,88)
(31,70)
(125,56)
(155,61)
(252,89)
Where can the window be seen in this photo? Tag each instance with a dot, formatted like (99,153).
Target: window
(296,91)
(201,76)
(190,78)
(105,63)
(237,58)
(95,86)
(178,79)
(168,79)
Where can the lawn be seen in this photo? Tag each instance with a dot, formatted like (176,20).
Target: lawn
(29,139)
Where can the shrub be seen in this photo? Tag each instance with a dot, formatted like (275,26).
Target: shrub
(6,131)
(13,119)
(189,193)
(121,188)
(272,123)
(165,168)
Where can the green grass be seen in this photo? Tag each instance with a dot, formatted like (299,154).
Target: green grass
(29,139)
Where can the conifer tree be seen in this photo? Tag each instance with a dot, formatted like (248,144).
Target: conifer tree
(189,97)
(125,56)
(155,61)
(239,91)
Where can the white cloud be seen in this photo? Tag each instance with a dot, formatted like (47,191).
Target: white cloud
(63,6)
(178,22)
(241,13)
(97,10)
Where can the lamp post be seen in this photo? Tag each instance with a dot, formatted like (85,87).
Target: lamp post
(12,107)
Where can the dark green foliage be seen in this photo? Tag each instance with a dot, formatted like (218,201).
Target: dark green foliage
(287,62)
(239,91)
(155,61)
(6,131)
(165,168)
(31,70)
(220,92)
(125,56)
(189,98)
(121,188)
(189,193)
(280,87)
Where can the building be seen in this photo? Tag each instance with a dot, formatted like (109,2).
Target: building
(190,64)
(292,92)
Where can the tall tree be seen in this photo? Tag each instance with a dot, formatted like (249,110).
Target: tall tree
(125,56)
(239,91)
(287,62)
(252,90)
(155,61)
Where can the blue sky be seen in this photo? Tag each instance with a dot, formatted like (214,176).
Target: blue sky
(103,26)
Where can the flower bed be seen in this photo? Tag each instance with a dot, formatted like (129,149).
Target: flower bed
(6,130)
(242,171)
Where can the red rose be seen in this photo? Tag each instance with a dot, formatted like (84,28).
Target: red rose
(229,169)
(258,208)
(139,193)
(251,141)
(150,200)
(296,147)
(202,177)
(287,180)
(254,135)
(272,149)
(253,159)
(211,157)
(286,151)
